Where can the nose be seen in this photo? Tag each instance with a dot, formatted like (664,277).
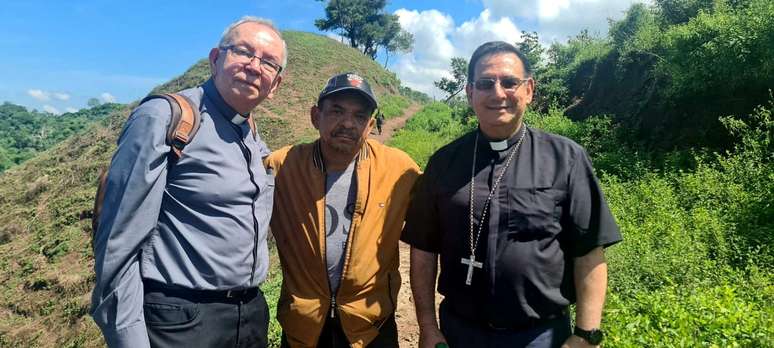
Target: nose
(498,90)
(254,65)
(347,122)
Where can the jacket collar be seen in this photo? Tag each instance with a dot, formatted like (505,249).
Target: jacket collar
(317,155)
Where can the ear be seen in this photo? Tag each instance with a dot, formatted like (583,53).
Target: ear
(469,91)
(213,58)
(314,112)
(529,90)
(274,86)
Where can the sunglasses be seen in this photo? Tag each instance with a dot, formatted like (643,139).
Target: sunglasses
(508,83)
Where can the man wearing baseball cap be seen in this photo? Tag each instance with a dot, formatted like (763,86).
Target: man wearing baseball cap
(339,208)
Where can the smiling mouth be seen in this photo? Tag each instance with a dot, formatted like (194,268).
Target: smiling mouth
(249,84)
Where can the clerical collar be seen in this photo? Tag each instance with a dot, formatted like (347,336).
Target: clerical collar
(501,145)
(220,104)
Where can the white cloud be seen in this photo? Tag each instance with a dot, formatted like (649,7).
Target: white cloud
(559,19)
(437,40)
(38,94)
(107,97)
(43,96)
(52,110)
(61,96)
(71,109)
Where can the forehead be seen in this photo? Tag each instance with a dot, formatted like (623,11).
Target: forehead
(350,100)
(256,35)
(500,64)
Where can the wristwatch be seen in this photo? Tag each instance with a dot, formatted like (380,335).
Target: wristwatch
(593,336)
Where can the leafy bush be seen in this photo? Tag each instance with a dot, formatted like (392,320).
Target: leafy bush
(393,105)
(429,129)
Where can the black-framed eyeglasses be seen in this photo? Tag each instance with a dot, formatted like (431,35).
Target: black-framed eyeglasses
(244,56)
(507,83)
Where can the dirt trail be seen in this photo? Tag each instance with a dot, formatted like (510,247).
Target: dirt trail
(390,126)
(408,330)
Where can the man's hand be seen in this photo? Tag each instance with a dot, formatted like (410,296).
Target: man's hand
(430,336)
(576,342)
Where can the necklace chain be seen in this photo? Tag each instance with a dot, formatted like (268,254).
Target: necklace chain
(474,239)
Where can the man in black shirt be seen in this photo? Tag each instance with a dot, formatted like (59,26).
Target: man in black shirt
(518,219)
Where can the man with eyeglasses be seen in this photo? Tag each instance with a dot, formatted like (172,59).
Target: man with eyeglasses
(518,220)
(181,244)
(338,213)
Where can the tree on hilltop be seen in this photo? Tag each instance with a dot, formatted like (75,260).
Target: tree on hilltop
(366,25)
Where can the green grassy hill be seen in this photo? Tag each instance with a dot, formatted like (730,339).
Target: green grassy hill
(45,256)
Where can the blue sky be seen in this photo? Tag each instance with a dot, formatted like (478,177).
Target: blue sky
(58,54)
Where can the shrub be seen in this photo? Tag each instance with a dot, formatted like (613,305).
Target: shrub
(393,105)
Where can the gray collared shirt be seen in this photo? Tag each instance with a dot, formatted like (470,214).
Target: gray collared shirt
(199,223)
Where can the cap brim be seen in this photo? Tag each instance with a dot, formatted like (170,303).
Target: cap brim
(346,88)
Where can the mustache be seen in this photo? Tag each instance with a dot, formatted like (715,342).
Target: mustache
(345,132)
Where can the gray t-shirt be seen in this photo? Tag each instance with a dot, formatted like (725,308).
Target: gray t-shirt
(340,194)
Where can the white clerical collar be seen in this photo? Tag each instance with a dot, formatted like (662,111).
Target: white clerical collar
(238,119)
(499,145)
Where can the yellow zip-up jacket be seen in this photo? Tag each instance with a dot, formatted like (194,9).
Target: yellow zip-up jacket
(370,279)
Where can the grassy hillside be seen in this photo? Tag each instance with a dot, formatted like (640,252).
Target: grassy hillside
(45,257)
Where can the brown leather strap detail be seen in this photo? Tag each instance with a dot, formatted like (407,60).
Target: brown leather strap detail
(98,204)
(184,128)
(251,123)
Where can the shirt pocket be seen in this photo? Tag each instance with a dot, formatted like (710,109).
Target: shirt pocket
(534,212)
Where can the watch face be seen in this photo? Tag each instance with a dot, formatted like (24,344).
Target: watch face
(595,337)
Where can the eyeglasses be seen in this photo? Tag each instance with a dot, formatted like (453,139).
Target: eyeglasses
(243,56)
(508,83)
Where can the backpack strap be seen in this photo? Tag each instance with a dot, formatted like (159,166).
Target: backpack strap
(184,123)
(253,128)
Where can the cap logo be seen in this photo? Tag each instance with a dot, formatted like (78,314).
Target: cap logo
(354,80)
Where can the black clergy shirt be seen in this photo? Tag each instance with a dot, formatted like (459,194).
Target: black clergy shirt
(548,209)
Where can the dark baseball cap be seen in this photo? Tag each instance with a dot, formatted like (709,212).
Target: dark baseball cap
(348,81)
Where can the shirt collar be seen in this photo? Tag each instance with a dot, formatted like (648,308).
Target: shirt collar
(220,104)
(503,145)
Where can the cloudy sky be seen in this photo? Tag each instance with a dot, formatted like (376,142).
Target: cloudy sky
(58,54)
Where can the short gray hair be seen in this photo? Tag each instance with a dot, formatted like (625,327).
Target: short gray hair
(226,38)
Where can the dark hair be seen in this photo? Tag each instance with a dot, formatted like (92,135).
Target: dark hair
(495,47)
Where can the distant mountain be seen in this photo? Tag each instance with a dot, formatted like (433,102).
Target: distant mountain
(45,255)
(24,133)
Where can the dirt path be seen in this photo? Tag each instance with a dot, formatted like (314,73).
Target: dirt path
(405,317)
(390,126)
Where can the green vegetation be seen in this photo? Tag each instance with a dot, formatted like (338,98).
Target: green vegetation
(23,133)
(429,129)
(668,72)
(393,105)
(367,25)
